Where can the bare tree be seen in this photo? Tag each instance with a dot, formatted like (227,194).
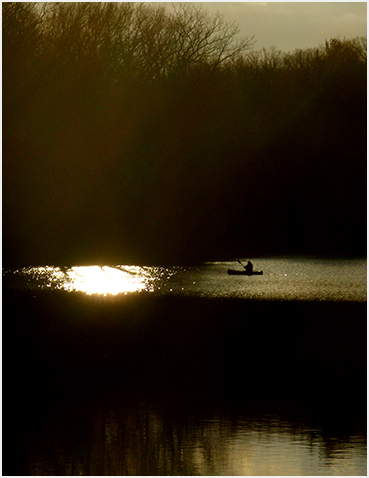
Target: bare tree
(199,37)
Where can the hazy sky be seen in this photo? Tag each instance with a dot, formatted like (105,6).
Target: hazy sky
(291,25)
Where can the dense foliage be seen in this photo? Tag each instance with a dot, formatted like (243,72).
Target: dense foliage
(147,133)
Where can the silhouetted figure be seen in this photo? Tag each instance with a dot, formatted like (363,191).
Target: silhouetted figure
(249,267)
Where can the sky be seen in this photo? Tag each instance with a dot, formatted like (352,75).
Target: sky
(292,25)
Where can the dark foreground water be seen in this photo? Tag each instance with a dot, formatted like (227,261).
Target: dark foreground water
(185,371)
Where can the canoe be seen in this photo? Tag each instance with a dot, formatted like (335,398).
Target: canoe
(232,272)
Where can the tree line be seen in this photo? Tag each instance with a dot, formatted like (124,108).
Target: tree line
(147,133)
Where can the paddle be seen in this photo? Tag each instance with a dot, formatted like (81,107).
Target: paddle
(241,263)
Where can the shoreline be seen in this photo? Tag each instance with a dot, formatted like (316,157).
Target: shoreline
(75,333)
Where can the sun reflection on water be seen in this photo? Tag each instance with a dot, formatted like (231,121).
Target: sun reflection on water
(283,279)
(103,280)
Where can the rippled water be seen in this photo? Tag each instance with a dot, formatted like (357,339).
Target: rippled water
(282,279)
(141,440)
(172,371)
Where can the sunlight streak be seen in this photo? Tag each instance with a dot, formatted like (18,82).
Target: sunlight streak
(102,280)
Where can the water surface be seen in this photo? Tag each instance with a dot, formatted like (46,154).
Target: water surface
(282,279)
(133,370)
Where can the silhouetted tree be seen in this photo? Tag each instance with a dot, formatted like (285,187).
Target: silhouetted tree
(150,133)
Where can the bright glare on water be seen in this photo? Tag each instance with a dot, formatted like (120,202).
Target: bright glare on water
(282,279)
(90,280)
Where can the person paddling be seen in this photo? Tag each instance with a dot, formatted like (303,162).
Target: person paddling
(249,267)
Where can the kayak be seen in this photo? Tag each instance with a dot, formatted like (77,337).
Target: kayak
(232,272)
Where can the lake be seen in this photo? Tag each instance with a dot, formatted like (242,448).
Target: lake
(132,370)
(283,279)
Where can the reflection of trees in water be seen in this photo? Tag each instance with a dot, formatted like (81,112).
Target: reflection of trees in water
(180,385)
(145,443)
(128,439)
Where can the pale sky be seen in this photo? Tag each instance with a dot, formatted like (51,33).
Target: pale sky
(291,25)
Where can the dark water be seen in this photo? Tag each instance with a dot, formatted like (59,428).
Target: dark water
(172,371)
